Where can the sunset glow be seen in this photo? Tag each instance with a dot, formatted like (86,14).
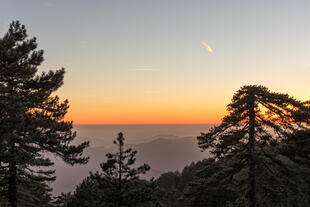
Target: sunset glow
(135,63)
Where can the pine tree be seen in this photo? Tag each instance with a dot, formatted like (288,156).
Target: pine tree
(208,188)
(172,187)
(258,120)
(64,200)
(86,194)
(120,182)
(297,149)
(31,117)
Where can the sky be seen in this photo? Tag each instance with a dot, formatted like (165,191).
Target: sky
(166,61)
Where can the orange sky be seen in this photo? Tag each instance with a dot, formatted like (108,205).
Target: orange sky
(145,113)
(141,117)
(156,109)
(178,61)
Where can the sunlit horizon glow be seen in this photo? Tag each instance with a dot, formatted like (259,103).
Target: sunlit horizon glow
(150,62)
(144,113)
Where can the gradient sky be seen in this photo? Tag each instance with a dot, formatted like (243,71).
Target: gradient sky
(142,61)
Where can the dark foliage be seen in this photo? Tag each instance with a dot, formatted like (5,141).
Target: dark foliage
(118,184)
(247,142)
(171,186)
(31,118)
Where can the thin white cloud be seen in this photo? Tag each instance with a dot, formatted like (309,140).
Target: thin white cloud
(208,48)
(142,69)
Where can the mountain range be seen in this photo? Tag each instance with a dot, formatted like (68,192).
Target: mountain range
(163,153)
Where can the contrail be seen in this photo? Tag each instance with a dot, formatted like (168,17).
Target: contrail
(208,48)
(143,69)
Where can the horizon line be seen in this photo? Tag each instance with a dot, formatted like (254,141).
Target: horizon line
(100,124)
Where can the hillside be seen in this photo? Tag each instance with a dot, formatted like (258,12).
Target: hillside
(163,154)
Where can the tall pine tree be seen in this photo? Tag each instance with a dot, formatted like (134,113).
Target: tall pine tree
(120,182)
(258,120)
(31,117)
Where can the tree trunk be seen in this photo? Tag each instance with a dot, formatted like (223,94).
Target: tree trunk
(12,189)
(252,180)
(119,204)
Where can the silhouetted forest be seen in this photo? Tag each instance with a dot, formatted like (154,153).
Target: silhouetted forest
(259,152)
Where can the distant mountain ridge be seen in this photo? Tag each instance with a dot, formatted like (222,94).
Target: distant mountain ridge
(163,153)
(152,138)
